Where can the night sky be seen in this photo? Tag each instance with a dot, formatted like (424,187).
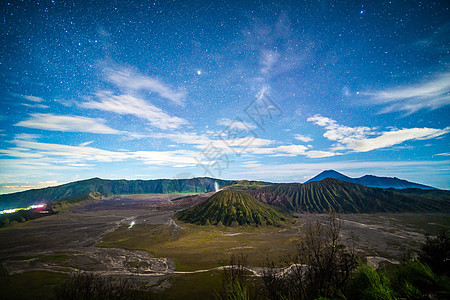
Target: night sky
(261,91)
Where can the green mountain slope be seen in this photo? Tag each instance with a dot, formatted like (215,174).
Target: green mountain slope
(245,185)
(231,207)
(321,196)
(110,187)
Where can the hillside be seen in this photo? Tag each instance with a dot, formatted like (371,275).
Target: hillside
(321,196)
(245,185)
(110,187)
(371,181)
(231,208)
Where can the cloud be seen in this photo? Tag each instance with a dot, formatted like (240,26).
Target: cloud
(268,59)
(67,124)
(32,154)
(321,154)
(303,138)
(127,78)
(130,105)
(33,98)
(27,136)
(432,94)
(394,137)
(356,138)
(340,133)
(236,124)
(35,105)
(291,150)
(18,187)
(85,144)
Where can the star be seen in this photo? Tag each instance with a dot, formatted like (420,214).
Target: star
(199,72)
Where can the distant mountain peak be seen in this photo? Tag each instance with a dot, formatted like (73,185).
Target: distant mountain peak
(371,181)
(329,174)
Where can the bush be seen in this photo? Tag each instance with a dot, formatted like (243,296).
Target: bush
(81,286)
(321,267)
(414,280)
(235,282)
(367,284)
(436,253)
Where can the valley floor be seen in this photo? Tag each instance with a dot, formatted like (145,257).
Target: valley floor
(165,254)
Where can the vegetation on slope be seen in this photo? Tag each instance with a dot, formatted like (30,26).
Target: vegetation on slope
(231,208)
(245,185)
(332,194)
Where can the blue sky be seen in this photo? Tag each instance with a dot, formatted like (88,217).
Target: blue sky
(262,91)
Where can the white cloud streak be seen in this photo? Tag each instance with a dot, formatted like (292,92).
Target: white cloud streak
(236,124)
(432,94)
(128,79)
(394,137)
(33,154)
(303,138)
(33,98)
(130,105)
(67,124)
(357,140)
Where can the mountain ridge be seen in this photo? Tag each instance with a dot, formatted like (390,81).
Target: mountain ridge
(333,194)
(108,187)
(371,181)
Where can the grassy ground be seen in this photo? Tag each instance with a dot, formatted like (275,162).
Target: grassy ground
(30,285)
(194,286)
(205,247)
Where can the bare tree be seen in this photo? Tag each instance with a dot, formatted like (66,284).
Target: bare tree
(321,265)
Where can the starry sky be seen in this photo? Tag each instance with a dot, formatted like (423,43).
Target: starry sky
(227,89)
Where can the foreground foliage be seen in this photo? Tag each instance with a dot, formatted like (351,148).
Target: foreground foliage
(321,266)
(324,269)
(80,286)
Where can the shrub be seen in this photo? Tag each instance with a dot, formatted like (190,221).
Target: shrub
(81,286)
(436,253)
(367,284)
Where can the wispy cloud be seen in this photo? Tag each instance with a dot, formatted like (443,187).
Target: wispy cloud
(130,105)
(38,105)
(431,94)
(303,138)
(394,137)
(85,144)
(290,151)
(236,124)
(33,98)
(357,140)
(67,123)
(268,59)
(27,136)
(129,79)
(32,154)
(340,133)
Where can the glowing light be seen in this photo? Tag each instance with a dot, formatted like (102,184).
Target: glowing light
(13,210)
(131,224)
(37,206)
(199,72)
